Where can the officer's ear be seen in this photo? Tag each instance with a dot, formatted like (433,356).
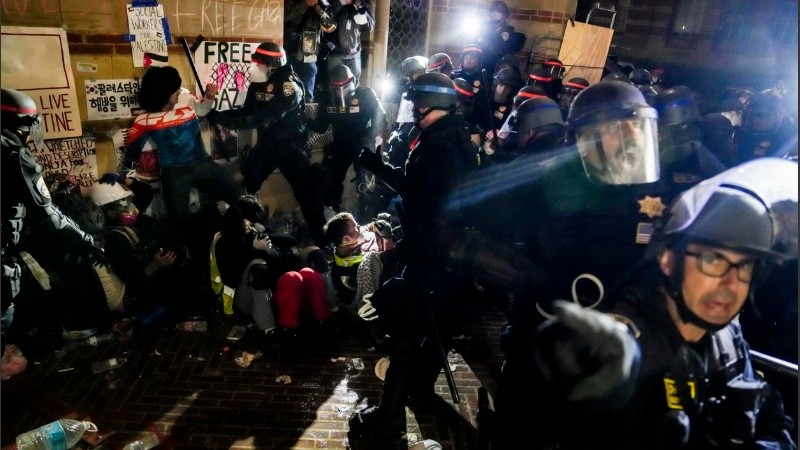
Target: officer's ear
(666,261)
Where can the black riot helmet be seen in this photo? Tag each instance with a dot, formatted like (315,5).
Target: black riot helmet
(413,66)
(640,77)
(676,105)
(19,114)
(472,51)
(500,7)
(616,76)
(432,90)
(270,54)
(570,89)
(506,84)
(555,67)
(532,91)
(616,134)
(536,113)
(440,62)
(764,115)
(539,76)
(464,92)
(750,209)
(342,84)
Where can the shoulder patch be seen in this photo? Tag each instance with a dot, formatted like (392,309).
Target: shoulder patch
(288,88)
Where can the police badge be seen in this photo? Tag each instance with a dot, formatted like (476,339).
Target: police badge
(288,88)
(270,88)
(354,101)
(651,206)
(505,35)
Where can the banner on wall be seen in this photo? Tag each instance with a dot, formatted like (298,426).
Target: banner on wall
(225,64)
(148,36)
(111,99)
(74,156)
(35,60)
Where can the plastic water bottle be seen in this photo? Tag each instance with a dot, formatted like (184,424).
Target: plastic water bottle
(109,364)
(94,341)
(146,442)
(193,325)
(61,434)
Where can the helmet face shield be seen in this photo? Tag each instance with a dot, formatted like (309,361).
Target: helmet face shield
(619,152)
(340,95)
(502,93)
(37,133)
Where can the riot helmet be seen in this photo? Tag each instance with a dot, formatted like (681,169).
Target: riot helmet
(616,134)
(464,92)
(532,91)
(554,67)
(764,115)
(537,113)
(570,89)
(269,54)
(640,77)
(432,90)
(508,62)
(342,84)
(539,76)
(413,66)
(676,105)
(471,59)
(500,8)
(18,114)
(506,84)
(750,209)
(616,76)
(440,62)
(267,57)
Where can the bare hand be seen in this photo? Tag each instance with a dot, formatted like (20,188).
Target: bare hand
(211,91)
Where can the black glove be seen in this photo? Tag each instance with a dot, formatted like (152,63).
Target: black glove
(587,355)
(370,159)
(382,228)
(212,116)
(112,178)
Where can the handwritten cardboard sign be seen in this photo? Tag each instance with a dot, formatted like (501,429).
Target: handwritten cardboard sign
(35,60)
(146,24)
(75,156)
(225,64)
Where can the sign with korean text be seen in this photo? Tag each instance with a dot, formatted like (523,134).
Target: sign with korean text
(111,99)
(35,60)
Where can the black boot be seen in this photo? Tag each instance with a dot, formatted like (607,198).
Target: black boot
(390,414)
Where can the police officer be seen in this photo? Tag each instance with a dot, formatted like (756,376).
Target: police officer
(428,186)
(539,129)
(556,70)
(568,92)
(491,116)
(507,138)
(499,38)
(274,106)
(695,386)
(643,81)
(766,130)
(357,118)
(304,22)
(684,159)
(471,65)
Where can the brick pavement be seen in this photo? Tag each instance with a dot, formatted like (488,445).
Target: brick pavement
(187,388)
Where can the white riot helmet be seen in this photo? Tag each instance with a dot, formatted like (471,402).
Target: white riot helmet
(104,193)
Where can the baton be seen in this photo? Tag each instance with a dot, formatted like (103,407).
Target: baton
(448,374)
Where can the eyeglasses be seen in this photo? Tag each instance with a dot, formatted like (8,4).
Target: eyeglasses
(716,265)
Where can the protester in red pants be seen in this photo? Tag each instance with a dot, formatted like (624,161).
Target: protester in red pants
(299,294)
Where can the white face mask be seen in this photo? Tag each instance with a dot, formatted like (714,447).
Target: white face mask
(259,73)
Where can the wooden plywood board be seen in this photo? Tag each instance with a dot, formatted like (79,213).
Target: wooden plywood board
(93,16)
(261,19)
(584,50)
(44,13)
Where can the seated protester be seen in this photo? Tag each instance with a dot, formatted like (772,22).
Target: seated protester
(364,258)
(278,289)
(143,253)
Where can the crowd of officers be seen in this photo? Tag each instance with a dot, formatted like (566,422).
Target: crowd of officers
(537,189)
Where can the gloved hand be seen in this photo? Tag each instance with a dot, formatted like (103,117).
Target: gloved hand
(112,178)
(212,115)
(262,243)
(382,228)
(370,158)
(586,354)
